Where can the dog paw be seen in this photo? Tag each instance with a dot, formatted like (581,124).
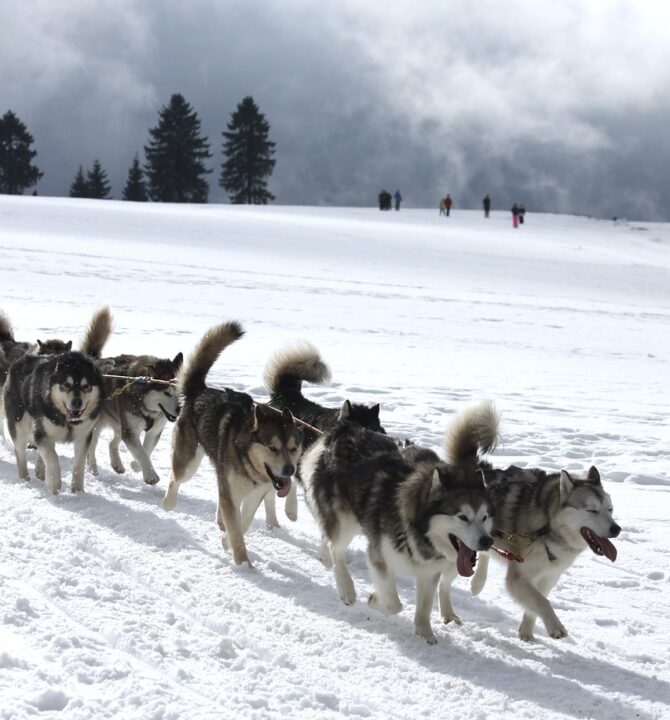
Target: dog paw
(53,485)
(446,619)
(526,635)
(272,524)
(426,633)
(135,466)
(557,631)
(389,608)
(119,468)
(152,478)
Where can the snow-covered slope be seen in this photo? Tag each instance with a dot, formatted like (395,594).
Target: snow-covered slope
(111,607)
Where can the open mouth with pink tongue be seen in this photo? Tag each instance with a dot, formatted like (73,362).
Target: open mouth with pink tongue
(281,483)
(599,545)
(465,558)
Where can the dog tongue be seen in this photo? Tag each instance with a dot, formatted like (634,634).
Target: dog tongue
(71,415)
(464,561)
(283,486)
(606,548)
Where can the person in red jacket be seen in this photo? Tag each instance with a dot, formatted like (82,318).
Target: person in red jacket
(447,204)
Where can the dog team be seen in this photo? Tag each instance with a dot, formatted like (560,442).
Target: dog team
(421,515)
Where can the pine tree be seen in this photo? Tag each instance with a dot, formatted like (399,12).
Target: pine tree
(175,155)
(135,188)
(16,169)
(249,156)
(97,183)
(79,188)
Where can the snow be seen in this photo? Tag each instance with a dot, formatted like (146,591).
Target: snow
(111,607)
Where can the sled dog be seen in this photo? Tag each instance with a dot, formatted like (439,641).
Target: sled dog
(137,407)
(420,515)
(543,521)
(284,375)
(252,447)
(57,398)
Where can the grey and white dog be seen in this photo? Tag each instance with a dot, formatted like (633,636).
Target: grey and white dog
(543,521)
(252,447)
(421,516)
(133,408)
(52,399)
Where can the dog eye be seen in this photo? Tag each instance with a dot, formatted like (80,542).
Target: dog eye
(462,517)
(593,512)
(485,518)
(86,388)
(66,386)
(273,449)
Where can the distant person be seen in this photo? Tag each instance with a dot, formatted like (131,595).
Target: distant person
(486,202)
(515,215)
(522,212)
(398,199)
(384,200)
(443,209)
(448,203)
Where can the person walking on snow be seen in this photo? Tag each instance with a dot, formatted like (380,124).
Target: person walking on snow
(515,215)
(398,199)
(447,204)
(522,212)
(487,205)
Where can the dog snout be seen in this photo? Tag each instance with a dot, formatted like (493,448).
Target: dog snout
(614,530)
(76,403)
(485,542)
(288,470)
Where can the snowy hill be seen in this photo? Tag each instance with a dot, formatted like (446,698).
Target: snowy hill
(113,608)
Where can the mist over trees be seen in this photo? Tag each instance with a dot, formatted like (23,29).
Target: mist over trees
(17,172)
(249,153)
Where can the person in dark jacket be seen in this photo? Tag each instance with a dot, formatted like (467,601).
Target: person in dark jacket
(398,199)
(522,212)
(448,202)
(486,202)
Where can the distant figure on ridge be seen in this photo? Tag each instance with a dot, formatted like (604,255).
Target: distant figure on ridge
(398,199)
(515,215)
(448,203)
(443,209)
(486,202)
(522,212)
(384,200)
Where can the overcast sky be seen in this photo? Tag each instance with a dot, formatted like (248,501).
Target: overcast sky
(560,105)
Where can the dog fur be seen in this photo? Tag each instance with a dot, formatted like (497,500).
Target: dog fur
(252,447)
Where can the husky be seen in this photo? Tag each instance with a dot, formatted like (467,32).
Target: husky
(543,521)
(57,398)
(136,407)
(284,375)
(252,447)
(420,515)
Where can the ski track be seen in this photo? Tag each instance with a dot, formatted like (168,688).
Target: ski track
(113,608)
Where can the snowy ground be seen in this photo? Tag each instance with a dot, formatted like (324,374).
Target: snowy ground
(112,608)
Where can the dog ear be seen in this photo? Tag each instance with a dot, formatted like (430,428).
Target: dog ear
(436,480)
(178,360)
(565,484)
(345,411)
(68,345)
(593,475)
(40,344)
(375,410)
(288,416)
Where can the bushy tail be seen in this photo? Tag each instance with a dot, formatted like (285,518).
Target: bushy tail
(97,333)
(6,329)
(288,368)
(472,433)
(191,377)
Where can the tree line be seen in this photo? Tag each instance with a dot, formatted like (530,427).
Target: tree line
(174,159)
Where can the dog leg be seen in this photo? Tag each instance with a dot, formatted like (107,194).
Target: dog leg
(114,457)
(324,554)
(81,445)
(53,476)
(534,604)
(20,436)
(481,573)
(90,455)
(250,505)
(132,441)
(271,510)
(187,455)
(229,515)
(40,470)
(151,438)
(444,595)
(425,595)
(343,579)
(291,504)
(385,596)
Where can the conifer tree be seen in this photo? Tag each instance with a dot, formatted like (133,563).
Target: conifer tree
(175,155)
(79,188)
(17,173)
(249,153)
(97,184)
(135,188)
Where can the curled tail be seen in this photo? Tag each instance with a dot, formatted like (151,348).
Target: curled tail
(191,377)
(288,368)
(97,333)
(472,433)
(6,329)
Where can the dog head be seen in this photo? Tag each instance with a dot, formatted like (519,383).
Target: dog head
(76,388)
(276,444)
(159,397)
(367,417)
(459,518)
(587,511)
(52,347)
